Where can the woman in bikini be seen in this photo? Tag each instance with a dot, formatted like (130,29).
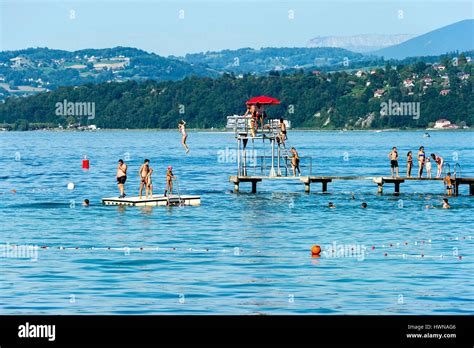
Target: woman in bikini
(421,160)
(182,129)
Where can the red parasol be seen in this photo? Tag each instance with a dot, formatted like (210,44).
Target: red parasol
(264,100)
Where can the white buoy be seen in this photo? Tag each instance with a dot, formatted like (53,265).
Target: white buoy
(70,186)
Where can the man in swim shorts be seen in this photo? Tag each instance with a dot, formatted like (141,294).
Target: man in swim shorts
(393,156)
(121,177)
(144,174)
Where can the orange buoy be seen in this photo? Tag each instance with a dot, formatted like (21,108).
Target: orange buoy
(85,163)
(315,250)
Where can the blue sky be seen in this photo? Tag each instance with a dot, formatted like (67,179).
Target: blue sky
(180,27)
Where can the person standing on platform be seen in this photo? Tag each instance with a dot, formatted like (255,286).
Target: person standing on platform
(393,156)
(421,161)
(121,177)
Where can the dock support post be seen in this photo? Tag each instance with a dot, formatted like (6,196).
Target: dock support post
(397,188)
(307,187)
(380,188)
(236,187)
(325,186)
(471,190)
(254,187)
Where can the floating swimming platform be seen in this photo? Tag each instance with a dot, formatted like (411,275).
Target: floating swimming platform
(156,200)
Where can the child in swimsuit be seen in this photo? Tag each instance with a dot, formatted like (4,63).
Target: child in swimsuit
(169,181)
(409,163)
(449,184)
(428,167)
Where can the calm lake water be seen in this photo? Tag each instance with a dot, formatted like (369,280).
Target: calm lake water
(236,253)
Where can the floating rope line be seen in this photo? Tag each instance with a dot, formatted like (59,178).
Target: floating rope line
(418,242)
(373,250)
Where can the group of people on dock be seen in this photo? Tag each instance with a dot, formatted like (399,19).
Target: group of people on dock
(258,115)
(145,172)
(424,162)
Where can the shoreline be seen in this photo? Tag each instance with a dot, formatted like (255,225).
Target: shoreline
(204,130)
(223,130)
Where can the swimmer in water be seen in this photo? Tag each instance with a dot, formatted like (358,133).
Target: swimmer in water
(449,184)
(446,204)
(85,203)
(182,129)
(363,205)
(331,205)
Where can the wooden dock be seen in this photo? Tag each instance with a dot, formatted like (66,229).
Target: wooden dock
(324,180)
(156,200)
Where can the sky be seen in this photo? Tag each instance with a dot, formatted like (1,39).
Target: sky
(183,26)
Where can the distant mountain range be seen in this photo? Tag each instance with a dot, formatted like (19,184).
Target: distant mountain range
(359,43)
(454,37)
(34,70)
(249,60)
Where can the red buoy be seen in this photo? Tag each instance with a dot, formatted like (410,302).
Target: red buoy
(85,163)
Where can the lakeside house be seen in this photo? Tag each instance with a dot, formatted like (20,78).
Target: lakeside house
(18,62)
(445,124)
(445,92)
(379,93)
(408,83)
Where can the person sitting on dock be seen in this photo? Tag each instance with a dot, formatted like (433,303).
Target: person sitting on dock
(449,184)
(421,161)
(144,173)
(409,163)
(446,204)
(169,181)
(393,156)
(121,177)
(439,161)
(295,161)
